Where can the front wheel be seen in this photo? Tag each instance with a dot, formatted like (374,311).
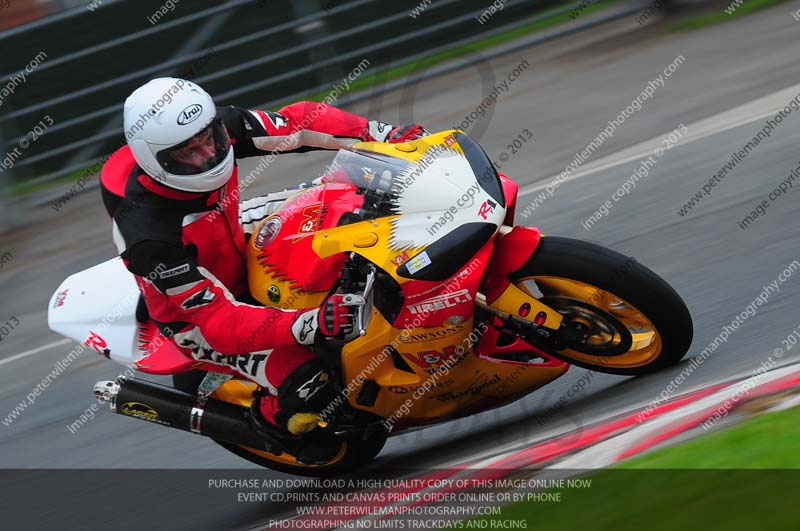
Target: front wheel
(635,322)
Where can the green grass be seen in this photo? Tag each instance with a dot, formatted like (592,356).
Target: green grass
(743,477)
(720,16)
(371,80)
(24,187)
(767,441)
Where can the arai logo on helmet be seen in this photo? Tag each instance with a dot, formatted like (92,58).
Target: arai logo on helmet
(190,114)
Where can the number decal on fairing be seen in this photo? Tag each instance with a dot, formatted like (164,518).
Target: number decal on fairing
(310,223)
(434,358)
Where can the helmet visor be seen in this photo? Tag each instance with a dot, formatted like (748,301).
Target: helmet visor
(201,153)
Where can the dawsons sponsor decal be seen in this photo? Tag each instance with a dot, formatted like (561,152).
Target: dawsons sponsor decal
(433,334)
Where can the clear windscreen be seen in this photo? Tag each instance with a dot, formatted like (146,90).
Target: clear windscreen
(374,175)
(441,182)
(369,171)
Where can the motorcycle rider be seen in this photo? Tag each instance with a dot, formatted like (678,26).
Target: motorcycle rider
(173,196)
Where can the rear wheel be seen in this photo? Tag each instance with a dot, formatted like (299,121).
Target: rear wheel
(635,322)
(351,453)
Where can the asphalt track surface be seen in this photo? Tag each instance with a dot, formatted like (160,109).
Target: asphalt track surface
(566,97)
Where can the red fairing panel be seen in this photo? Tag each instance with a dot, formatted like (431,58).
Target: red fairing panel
(432,303)
(162,355)
(510,191)
(290,256)
(489,350)
(510,253)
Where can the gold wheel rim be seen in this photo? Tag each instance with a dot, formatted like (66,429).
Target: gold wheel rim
(647,341)
(289,459)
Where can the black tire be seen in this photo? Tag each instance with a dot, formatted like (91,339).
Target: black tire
(625,278)
(357,453)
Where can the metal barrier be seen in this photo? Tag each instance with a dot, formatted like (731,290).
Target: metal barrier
(245,52)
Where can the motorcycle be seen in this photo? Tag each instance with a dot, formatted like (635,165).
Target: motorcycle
(456,309)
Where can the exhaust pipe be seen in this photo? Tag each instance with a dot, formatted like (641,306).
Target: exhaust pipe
(166,406)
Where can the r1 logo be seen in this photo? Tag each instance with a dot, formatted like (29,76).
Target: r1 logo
(486,208)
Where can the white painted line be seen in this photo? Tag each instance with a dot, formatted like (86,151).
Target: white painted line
(731,119)
(36,350)
(605,453)
(506,450)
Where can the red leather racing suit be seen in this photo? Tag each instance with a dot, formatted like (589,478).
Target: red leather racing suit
(187,249)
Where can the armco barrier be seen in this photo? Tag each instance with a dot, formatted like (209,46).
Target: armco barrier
(245,52)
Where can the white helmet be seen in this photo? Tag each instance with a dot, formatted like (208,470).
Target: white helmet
(172,128)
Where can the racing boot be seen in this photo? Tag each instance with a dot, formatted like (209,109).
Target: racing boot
(294,414)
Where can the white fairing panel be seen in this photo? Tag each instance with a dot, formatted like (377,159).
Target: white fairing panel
(437,199)
(97,307)
(433,196)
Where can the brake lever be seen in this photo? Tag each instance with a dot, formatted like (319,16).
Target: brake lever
(360,302)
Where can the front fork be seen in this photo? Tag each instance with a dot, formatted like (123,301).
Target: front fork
(512,249)
(520,311)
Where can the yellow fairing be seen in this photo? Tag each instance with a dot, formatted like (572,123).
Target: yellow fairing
(414,150)
(429,391)
(432,391)
(353,237)
(422,373)
(239,392)
(291,297)
(513,298)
